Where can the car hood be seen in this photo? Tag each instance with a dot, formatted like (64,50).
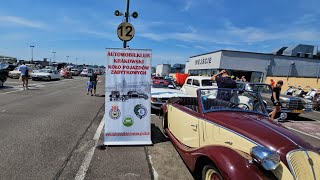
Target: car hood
(283,97)
(261,130)
(167,93)
(41,74)
(14,72)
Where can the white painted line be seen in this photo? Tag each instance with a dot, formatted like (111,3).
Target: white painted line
(81,174)
(98,132)
(304,133)
(12,91)
(155,174)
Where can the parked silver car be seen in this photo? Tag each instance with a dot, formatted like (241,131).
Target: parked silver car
(293,106)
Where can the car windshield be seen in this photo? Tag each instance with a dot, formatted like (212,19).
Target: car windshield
(3,66)
(262,88)
(231,100)
(164,84)
(207,82)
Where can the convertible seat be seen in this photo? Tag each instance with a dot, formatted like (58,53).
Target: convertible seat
(208,103)
(189,102)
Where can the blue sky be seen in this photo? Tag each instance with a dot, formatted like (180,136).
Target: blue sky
(173,29)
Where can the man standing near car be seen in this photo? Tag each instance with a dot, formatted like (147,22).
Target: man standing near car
(224,81)
(24,75)
(275,99)
(93,82)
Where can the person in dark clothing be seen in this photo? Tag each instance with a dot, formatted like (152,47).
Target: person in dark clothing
(224,81)
(275,99)
(93,83)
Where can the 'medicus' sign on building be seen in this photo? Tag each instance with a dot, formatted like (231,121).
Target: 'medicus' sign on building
(203,61)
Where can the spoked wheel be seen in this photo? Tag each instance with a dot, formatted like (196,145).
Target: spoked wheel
(209,172)
(243,106)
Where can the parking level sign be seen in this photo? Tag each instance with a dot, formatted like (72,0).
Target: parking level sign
(128,90)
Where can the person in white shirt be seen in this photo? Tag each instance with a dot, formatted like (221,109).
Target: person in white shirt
(24,75)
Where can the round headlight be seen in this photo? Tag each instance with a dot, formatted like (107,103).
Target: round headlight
(267,158)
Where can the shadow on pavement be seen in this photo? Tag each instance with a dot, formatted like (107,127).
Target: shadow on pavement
(156,135)
(7,87)
(100,95)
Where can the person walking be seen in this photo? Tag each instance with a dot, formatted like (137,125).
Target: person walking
(275,99)
(224,81)
(24,70)
(93,83)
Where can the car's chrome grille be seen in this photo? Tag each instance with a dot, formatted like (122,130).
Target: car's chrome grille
(295,105)
(304,164)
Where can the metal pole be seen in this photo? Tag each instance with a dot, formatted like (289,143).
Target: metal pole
(126,14)
(32,52)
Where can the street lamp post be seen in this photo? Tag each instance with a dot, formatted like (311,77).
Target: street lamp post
(54,56)
(127,15)
(32,53)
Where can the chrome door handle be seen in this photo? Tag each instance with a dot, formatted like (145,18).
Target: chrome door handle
(194,127)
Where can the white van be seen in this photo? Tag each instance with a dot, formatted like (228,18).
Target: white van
(193,83)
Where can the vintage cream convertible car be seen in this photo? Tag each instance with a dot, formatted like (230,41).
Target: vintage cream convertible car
(220,138)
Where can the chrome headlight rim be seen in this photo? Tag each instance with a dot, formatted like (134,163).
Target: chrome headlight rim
(265,157)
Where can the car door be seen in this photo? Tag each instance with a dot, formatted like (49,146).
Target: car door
(184,126)
(188,86)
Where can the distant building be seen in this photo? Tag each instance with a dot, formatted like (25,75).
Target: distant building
(297,66)
(178,68)
(163,69)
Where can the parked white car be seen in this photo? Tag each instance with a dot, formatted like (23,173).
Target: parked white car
(45,74)
(16,73)
(161,91)
(86,72)
(193,83)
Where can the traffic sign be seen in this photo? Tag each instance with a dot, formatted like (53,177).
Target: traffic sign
(125,31)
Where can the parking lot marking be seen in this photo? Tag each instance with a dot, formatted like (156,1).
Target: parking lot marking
(81,174)
(155,173)
(12,91)
(303,133)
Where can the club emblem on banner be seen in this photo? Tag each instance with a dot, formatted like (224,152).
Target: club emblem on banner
(140,111)
(114,113)
(128,121)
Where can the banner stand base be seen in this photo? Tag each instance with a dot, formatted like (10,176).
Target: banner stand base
(130,143)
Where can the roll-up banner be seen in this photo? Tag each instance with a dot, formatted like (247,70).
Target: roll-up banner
(127,93)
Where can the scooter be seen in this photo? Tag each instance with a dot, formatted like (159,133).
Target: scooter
(299,92)
(290,90)
(310,95)
(316,102)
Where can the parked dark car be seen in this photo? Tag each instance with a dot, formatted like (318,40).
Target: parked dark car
(293,106)
(5,68)
(115,95)
(2,80)
(135,94)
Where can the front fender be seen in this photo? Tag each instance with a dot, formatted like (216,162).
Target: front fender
(232,164)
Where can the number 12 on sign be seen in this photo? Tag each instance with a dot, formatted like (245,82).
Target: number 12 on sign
(125,31)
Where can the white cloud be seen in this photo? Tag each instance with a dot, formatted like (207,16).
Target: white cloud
(187,5)
(13,20)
